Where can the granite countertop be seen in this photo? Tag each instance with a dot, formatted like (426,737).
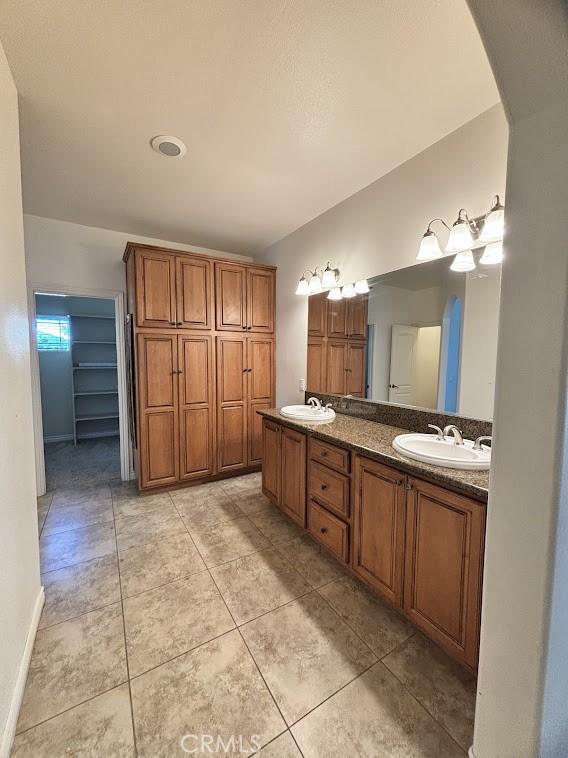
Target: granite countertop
(375,441)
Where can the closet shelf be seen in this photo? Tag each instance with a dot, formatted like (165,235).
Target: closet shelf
(94,342)
(96,392)
(96,416)
(110,366)
(89,315)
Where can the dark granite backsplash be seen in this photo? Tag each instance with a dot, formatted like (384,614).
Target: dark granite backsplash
(403,416)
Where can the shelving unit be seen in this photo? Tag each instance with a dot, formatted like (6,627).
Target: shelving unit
(95,381)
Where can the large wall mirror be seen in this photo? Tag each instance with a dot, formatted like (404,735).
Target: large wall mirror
(423,336)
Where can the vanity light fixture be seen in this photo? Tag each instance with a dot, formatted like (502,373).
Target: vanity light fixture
(430,246)
(313,282)
(494,226)
(361,287)
(314,285)
(492,254)
(461,237)
(303,287)
(330,276)
(335,294)
(348,290)
(463,262)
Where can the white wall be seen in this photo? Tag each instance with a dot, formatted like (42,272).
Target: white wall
(479,342)
(19,562)
(60,253)
(427,366)
(379,228)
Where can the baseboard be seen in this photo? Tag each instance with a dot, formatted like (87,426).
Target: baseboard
(58,438)
(18,694)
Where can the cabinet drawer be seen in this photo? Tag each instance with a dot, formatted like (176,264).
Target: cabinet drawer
(330,488)
(333,456)
(330,531)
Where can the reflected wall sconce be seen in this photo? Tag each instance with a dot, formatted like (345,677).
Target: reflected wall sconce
(313,282)
(465,234)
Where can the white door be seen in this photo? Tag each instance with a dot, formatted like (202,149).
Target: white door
(403,358)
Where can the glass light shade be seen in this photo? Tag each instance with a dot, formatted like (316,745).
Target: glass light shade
(361,287)
(492,254)
(303,287)
(314,285)
(348,290)
(335,294)
(329,277)
(494,226)
(463,261)
(429,248)
(460,238)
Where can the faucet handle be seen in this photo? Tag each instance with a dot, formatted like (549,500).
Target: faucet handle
(479,440)
(439,432)
(458,437)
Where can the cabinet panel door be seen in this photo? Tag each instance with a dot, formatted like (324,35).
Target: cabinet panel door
(196,394)
(158,409)
(444,564)
(155,289)
(317,314)
(254,431)
(336,367)
(231,402)
(357,317)
(193,286)
(337,318)
(378,530)
(355,384)
(271,460)
(260,365)
(316,364)
(230,289)
(293,479)
(260,300)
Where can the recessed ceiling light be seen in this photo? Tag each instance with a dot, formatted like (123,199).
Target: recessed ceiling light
(172,147)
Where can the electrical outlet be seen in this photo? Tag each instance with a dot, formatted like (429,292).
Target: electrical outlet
(302,385)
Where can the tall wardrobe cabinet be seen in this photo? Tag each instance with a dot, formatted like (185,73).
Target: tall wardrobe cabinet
(201,363)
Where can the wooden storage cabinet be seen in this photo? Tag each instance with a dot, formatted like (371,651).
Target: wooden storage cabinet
(271,463)
(202,363)
(444,565)
(284,469)
(330,531)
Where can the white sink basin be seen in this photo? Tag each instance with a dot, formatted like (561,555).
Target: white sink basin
(308,413)
(429,449)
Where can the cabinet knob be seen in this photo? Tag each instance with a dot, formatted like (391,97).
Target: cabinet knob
(244,327)
(249,328)
(323,530)
(180,323)
(324,453)
(324,487)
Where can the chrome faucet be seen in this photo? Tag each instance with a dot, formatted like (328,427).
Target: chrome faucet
(439,432)
(480,440)
(455,431)
(315,402)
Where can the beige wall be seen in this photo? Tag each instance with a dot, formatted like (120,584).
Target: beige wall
(427,366)
(19,564)
(379,228)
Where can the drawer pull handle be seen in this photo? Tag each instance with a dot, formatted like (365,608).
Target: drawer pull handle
(323,530)
(324,453)
(324,487)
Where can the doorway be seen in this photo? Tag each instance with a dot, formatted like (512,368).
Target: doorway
(79,390)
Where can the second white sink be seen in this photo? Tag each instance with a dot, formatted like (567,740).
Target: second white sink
(429,449)
(308,413)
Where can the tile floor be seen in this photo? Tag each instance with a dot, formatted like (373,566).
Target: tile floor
(202,621)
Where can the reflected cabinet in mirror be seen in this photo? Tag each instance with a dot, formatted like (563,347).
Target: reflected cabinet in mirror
(424,336)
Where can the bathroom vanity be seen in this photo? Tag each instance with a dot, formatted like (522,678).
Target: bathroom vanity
(413,532)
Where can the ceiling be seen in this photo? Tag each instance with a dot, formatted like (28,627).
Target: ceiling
(287,107)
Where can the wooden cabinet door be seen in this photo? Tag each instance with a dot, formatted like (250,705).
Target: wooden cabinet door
(337,318)
(260,300)
(231,402)
(158,409)
(378,527)
(444,565)
(336,367)
(193,287)
(293,475)
(230,290)
(271,460)
(316,365)
(196,393)
(317,314)
(357,317)
(260,372)
(155,289)
(355,382)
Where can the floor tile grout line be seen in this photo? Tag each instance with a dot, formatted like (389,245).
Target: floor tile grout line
(124,638)
(164,584)
(79,615)
(79,563)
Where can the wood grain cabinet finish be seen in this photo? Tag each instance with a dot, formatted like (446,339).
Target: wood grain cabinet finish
(444,563)
(378,528)
(336,367)
(332,456)
(355,369)
(260,394)
(231,402)
(356,318)
(330,531)
(155,274)
(316,364)
(337,318)
(230,292)
(260,300)
(158,409)
(330,488)
(196,405)
(193,291)
(271,463)
(293,475)
(317,315)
